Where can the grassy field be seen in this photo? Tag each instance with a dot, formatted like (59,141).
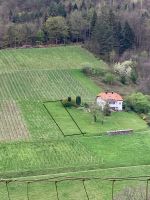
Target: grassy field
(32,144)
(70,57)
(44,85)
(74,154)
(74,190)
(84,119)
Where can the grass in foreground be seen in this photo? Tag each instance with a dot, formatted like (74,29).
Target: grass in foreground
(74,154)
(74,190)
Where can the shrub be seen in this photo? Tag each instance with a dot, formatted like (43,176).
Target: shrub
(78,100)
(134,76)
(68,104)
(147,119)
(106,110)
(69,99)
(138,102)
(87,70)
(93,71)
(86,105)
(109,78)
(123,79)
(126,70)
(148,122)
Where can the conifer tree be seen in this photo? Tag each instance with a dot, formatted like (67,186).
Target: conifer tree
(119,39)
(83,5)
(75,7)
(129,37)
(103,34)
(93,21)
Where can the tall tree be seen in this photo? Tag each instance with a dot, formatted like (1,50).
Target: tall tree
(103,36)
(119,39)
(93,21)
(78,26)
(56,28)
(128,37)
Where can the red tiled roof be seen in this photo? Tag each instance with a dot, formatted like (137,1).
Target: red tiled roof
(110,96)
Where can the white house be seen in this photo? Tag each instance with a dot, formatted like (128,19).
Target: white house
(114,100)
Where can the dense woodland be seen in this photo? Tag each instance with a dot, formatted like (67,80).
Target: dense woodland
(108,23)
(112,29)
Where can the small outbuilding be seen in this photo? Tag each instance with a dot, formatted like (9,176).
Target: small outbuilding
(114,100)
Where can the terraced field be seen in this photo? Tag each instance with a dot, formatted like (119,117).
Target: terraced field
(70,57)
(32,143)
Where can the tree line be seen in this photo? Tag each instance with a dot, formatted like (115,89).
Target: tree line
(106,27)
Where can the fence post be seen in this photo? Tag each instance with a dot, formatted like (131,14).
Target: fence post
(56,190)
(28,190)
(147,186)
(7,190)
(83,182)
(113,184)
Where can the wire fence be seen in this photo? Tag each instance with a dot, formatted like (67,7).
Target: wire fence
(57,180)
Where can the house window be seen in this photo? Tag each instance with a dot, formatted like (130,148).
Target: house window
(112,102)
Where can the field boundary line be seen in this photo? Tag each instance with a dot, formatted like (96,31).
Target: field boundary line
(73,119)
(62,174)
(54,120)
(65,135)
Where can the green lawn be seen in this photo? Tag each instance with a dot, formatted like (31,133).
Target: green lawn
(84,119)
(117,121)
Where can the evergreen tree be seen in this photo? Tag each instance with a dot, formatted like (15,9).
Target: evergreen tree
(93,21)
(83,5)
(113,28)
(61,10)
(75,7)
(69,8)
(103,36)
(119,39)
(128,37)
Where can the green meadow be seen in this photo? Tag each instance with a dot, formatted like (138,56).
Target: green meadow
(32,145)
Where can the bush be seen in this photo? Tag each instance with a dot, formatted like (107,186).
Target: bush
(106,110)
(134,76)
(147,119)
(123,79)
(69,99)
(126,70)
(138,102)
(68,104)
(86,105)
(78,100)
(93,71)
(148,122)
(109,78)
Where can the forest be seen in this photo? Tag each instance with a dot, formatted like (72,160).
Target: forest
(48,21)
